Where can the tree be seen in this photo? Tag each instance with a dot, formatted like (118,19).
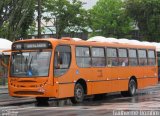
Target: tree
(16,16)
(66,16)
(5,11)
(146,14)
(108,18)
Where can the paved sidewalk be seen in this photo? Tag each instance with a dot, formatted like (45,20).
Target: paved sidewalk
(3,89)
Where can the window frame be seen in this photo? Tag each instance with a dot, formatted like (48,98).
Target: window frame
(90,56)
(54,59)
(137,59)
(142,57)
(151,58)
(107,58)
(121,65)
(104,57)
(44,50)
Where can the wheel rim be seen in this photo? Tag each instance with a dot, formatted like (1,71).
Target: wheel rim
(132,88)
(79,93)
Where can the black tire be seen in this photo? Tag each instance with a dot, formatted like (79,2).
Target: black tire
(78,94)
(132,86)
(42,99)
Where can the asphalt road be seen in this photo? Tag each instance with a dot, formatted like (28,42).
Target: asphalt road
(145,103)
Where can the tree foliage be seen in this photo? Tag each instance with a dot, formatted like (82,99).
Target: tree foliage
(66,16)
(146,14)
(15,17)
(108,18)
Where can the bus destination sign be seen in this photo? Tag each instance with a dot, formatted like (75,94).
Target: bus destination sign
(18,46)
(33,45)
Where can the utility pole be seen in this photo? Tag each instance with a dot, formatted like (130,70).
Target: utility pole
(39,18)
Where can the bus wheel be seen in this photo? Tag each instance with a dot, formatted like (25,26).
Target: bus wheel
(131,89)
(78,94)
(42,99)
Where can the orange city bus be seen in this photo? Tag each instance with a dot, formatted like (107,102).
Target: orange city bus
(65,68)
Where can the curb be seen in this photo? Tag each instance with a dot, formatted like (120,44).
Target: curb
(3,90)
(4,93)
(3,87)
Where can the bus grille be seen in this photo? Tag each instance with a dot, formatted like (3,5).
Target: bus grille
(28,93)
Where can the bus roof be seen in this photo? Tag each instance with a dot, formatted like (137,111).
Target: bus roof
(80,42)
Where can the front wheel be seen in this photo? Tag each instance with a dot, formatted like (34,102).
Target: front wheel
(78,94)
(42,99)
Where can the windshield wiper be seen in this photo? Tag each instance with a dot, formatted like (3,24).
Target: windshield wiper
(29,69)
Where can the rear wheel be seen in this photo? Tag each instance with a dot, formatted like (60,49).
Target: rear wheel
(78,94)
(131,89)
(42,99)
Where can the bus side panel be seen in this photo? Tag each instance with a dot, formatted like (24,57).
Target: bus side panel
(66,84)
(66,90)
(109,86)
(119,85)
(89,88)
(118,78)
(145,82)
(108,81)
(148,78)
(101,87)
(123,85)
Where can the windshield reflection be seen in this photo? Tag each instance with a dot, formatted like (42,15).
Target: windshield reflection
(30,64)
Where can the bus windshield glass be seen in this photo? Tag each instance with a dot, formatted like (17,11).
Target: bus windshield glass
(30,64)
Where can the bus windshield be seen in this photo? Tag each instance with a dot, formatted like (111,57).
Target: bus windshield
(30,64)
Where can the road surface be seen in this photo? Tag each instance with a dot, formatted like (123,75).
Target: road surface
(145,103)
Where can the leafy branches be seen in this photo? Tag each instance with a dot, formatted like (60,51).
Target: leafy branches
(146,14)
(66,16)
(15,18)
(108,18)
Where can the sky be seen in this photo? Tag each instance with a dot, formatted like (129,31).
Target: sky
(89,3)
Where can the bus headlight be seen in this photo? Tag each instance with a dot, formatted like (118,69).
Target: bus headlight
(41,90)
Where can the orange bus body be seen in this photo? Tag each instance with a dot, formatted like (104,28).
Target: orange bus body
(97,79)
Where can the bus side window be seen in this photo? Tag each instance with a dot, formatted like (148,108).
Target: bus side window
(151,58)
(123,58)
(98,57)
(62,60)
(142,57)
(112,57)
(83,56)
(133,57)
